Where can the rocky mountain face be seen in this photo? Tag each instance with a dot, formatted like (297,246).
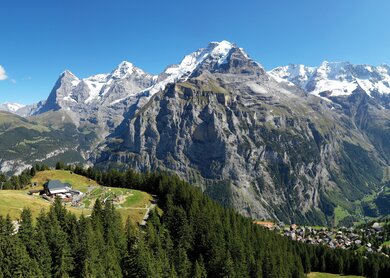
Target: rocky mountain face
(253,141)
(298,144)
(361,92)
(98,102)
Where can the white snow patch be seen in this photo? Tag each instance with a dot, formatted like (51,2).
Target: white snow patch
(94,90)
(125,69)
(68,98)
(337,78)
(11,106)
(75,82)
(217,50)
(221,51)
(336,88)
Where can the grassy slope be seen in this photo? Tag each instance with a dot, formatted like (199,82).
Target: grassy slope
(12,202)
(329,275)
(78,182)
(9,121)
(386,243)
(134,204)
(339,214)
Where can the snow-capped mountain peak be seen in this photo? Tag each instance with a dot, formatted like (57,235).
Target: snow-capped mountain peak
(68,74)
(110,88)
(102,77)
(11,106)
(384,69)
(297,74)
(221,50)
(332,79)
(332,67)
(125,69)
(216,50)
(100,90)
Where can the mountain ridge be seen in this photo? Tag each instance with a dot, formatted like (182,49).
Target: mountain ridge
(259,141)
(338,78)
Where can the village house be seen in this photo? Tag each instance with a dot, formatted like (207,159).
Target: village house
(266,224)
(56,187)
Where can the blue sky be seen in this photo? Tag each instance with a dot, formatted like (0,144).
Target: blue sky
(39,39)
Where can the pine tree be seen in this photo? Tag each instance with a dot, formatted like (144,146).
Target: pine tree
(298,271)
(60,166)
(257,270)
(33,171)
(182,263)
(357,266)
(58,211)
(141,261)
(26,230)
(62,261)
(42,252)
(228,268)
(87,252)
(6,226)
(322,264)
(199,269)
(15,261)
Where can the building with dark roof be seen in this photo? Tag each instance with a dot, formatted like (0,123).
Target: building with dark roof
(55,187)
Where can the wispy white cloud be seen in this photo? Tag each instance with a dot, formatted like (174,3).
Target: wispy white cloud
(3,74)
(13,81)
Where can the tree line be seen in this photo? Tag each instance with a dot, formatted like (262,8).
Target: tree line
(193,237)
(22,180)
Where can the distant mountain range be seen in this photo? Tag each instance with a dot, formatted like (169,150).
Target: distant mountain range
(297,143)
(11,107)
(330,79)
(333,79)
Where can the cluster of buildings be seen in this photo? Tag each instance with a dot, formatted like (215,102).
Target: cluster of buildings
(369,238)
(56,188)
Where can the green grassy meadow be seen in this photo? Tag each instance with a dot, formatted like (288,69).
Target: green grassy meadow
(129,203)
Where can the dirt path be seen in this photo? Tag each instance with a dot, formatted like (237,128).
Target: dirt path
(146,216)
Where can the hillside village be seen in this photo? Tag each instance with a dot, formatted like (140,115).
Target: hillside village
(372,238)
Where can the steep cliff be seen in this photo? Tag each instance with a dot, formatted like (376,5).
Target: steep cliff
(262,146)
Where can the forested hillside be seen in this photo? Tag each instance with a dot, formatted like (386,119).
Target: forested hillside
(193,237)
